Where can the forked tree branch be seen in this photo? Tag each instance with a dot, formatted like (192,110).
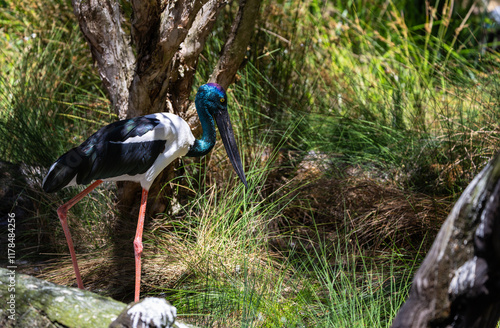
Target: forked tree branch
(150,84)
(140,85)
(186,60)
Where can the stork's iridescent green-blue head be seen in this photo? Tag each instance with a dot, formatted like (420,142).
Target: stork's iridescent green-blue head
(211,104)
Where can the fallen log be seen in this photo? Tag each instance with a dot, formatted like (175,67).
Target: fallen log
(30,302)
(458,283)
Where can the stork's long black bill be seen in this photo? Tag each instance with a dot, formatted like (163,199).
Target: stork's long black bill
(227,135)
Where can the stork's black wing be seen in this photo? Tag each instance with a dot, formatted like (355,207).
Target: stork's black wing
(109,152)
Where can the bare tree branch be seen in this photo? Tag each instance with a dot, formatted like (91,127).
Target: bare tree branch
(201,28)
(100,22)
(236,45)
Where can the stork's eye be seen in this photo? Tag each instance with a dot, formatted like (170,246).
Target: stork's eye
(222,100)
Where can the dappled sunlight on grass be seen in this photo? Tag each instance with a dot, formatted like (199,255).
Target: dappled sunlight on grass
(358,124)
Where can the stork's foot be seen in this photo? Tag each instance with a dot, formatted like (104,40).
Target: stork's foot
(149,313)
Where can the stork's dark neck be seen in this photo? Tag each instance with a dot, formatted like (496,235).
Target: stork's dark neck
(202,146)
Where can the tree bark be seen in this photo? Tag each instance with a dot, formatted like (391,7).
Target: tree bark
(458,284)
(100,23)
(149,88)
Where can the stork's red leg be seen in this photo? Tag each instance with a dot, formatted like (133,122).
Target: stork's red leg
(62,212)
(138,244)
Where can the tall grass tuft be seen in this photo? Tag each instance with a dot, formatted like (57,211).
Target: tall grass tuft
(351,290)
(212,257)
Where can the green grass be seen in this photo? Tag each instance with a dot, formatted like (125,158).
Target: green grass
(381,91)
(405,97)
(354,293)
(49,100)
(322,288)
(215,264)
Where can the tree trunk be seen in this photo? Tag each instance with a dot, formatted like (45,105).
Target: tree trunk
(100,21)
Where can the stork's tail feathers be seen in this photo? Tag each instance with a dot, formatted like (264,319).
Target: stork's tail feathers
(62,172)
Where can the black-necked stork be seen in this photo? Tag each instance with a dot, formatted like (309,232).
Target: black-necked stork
(138,149)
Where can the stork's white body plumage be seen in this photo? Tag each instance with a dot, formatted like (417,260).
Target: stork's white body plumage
(179,138)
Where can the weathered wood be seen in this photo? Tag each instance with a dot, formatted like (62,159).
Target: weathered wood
(458,284)
(150,85)
(37,302)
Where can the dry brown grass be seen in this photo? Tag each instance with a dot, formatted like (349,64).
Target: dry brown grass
(364,206)
(381,215)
